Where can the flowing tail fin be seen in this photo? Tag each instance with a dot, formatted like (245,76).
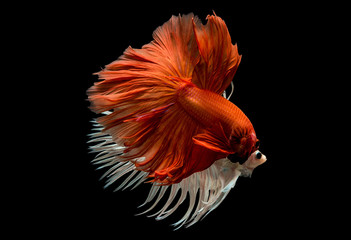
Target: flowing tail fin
(139,93)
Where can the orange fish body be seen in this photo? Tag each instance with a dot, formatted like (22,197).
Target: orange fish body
(165,118)
(209,108)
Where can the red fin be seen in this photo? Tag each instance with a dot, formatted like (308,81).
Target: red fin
(214,139)
(219,58)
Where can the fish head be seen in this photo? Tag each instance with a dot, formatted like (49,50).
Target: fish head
(245,146)
(255,159)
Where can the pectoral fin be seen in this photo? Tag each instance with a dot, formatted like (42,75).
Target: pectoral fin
(214,139)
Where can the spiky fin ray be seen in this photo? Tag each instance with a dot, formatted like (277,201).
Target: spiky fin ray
(211,185)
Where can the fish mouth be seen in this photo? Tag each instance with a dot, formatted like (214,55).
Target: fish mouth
(260,158)
(263,159)
(256,159)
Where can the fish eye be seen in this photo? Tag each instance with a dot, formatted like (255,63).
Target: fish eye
(258,155)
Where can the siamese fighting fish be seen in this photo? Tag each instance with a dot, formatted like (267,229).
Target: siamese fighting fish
(164,119)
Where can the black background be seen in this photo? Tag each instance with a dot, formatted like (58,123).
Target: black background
(74,41)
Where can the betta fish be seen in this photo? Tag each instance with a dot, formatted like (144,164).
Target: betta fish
(165,118)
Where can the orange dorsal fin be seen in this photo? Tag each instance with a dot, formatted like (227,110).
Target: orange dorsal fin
(219,58)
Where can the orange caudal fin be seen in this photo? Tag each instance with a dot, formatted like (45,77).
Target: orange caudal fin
(219,58)
(138,93)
